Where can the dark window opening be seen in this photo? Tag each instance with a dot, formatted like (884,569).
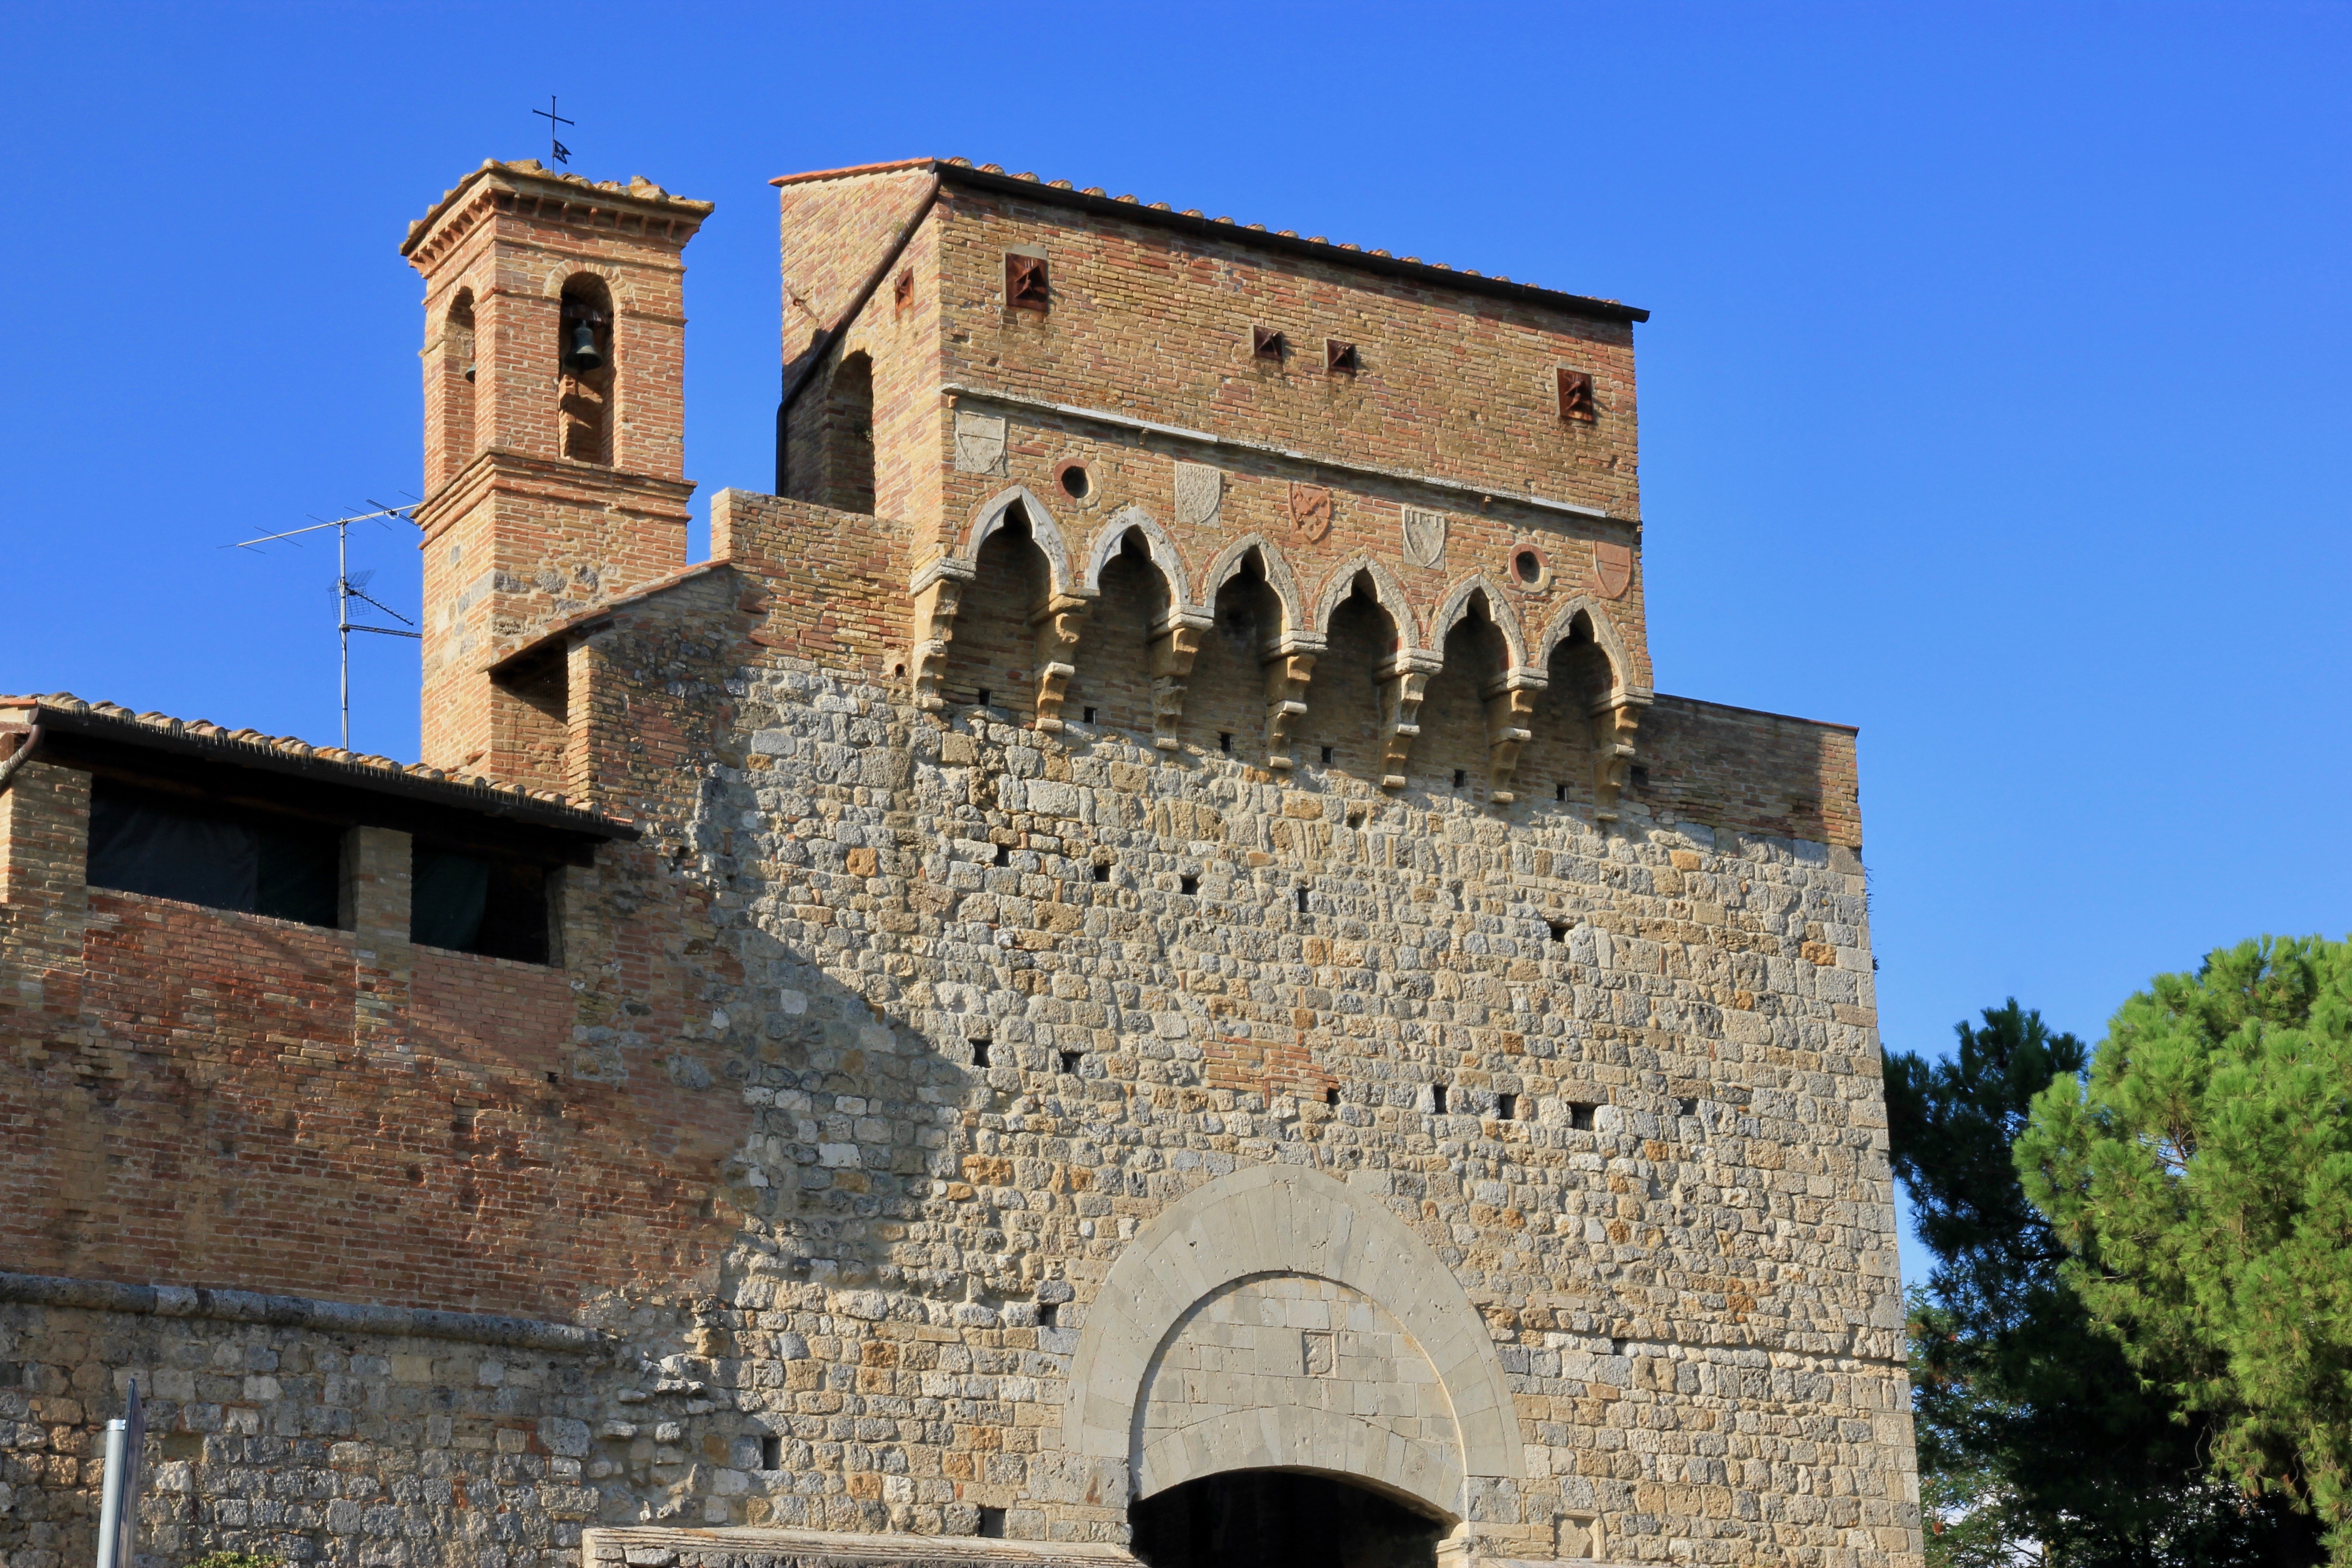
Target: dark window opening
(1070,1062)
(991,1523)
(1506,1107)
(1331,1095)
(1327,756)
(1090,716)
(1049,1315)
(1076,482)
(982,698)
(771,1453)
(1576,395)
(283,867)
(1560,931)
(472,903)
(980,1052)
(1004,854)
(1299,894)
(1437,1099)
(1559,791)
(1102,870)
(1280,1518)
(1025,282)
(1461,777)
(1225,741)
(1528,567)
(1580,1117)
(1187,884)
(1639,777)
(1687,1107)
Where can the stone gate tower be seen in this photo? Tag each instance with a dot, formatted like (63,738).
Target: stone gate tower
(1134,968)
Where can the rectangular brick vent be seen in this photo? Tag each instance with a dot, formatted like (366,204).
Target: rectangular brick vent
(1576,395)
(1024,282)
(1338,358)
(1267,343)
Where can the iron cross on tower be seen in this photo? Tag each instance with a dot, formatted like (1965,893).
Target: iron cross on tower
(563,155)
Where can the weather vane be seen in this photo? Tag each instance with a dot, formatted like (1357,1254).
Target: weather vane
(563,155)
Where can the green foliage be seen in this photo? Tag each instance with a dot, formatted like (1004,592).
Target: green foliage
(235,1560)
(2024,1408)
(2203,1178)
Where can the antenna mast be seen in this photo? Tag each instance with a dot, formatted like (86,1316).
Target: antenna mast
(347,588)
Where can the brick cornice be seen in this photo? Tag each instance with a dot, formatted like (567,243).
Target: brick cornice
(640,210)
(503,468)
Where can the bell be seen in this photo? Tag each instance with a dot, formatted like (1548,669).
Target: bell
(583,355)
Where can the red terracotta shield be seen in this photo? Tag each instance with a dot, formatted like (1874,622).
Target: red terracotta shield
(1612,569)
(1310,510)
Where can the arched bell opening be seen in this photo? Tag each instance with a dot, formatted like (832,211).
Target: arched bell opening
(584,357)
(849,436)
(1225,707)
(1453,744)
(1346,707)
(1567,753)
(1114,658)
(993,657)
(1282,1518)
(454,386)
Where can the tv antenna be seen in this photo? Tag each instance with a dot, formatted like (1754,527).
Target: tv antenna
(348,587)
(556,148)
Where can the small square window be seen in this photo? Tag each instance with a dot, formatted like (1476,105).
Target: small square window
(980,1052)
(1576,395)
(1069,1060)
(1187,884)
(1506,1108)
(1102,870)
(1580,1117)
(1024,282)
(1437,1099)
(1267,343)
(1338,358)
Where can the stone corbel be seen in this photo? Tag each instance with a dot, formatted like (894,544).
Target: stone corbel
(1290,664)
(1175,643)
(1056,628)
(1404,680)
(1510,715)
(1614,719)
(938,589)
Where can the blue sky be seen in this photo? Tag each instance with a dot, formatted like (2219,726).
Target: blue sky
(1995,398)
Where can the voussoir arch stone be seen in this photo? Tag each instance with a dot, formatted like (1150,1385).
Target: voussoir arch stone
(1044,532)
(1156,544)
(1286,1220)
(1604,632)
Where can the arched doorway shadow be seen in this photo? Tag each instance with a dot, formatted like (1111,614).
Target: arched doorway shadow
(1281,1518)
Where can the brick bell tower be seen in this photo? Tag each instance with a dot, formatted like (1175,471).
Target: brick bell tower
(554,439)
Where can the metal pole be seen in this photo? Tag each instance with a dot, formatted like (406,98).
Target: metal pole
(343,622)
(109,1506)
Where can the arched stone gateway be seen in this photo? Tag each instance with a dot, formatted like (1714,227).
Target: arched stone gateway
(1278,1320)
